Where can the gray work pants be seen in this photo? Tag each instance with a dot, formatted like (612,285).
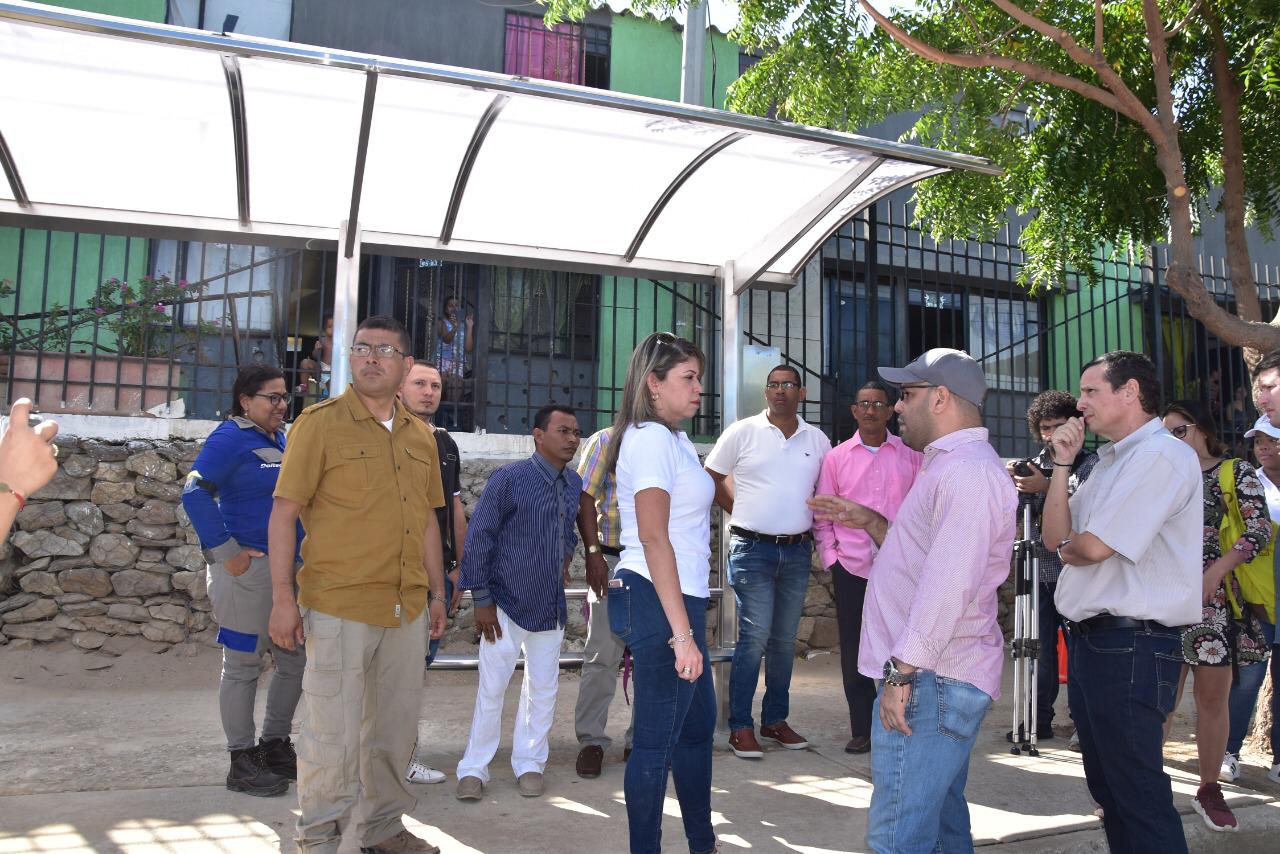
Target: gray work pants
(600,661)
(242,609)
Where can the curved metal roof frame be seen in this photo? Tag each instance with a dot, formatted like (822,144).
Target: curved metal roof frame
(802,231)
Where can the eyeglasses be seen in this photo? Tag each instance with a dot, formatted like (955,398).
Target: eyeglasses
(785,385)
(1180,432)
(868,405)
(275,399)
(386,351)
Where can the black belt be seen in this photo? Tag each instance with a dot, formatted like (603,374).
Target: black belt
(1105,622)
(611,551)
(783,540)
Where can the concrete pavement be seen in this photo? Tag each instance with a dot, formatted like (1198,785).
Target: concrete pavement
(133,762)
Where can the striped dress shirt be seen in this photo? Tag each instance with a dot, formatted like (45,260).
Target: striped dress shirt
(931,601)
(517,542)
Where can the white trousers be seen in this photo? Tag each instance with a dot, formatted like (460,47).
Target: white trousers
(537,699)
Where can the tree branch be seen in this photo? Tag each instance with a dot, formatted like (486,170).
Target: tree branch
(1097,30)
(1226,90)
(1030,70)
(1182,25)
(1133,106)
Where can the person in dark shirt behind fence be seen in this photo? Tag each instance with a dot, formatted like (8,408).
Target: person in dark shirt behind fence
(516,557)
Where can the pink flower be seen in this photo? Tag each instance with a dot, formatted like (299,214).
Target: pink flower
(160,307)
(182,283)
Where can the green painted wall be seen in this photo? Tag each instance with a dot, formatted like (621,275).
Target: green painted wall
(644,59)
(142,10)
(630,309)
(67,269)
(1079,333)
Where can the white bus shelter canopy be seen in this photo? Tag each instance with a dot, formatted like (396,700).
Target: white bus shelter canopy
(164,131)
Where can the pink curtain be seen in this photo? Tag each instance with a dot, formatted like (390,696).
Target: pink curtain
(534,51)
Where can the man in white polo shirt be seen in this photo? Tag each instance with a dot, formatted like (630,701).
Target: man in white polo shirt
(774,459)
(1130,544)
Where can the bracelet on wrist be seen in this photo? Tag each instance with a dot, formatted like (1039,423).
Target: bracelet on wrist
(1057,464)
(22,499)
(680,637)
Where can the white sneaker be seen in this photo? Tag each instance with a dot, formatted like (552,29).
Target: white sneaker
(1274,776)
(420,772)
(1074,743)
(1230,770)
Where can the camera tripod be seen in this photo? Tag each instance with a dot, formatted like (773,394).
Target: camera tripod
(1025,647)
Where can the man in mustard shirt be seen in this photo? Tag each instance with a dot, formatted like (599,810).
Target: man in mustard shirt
(363,474)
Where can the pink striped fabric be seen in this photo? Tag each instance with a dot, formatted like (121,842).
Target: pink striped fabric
(931,600)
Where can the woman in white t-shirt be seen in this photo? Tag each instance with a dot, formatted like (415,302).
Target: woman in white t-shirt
(658,595)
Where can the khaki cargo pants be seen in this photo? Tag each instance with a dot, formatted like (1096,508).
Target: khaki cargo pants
(363,690)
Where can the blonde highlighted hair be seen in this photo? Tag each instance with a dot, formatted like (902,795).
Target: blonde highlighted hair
(657,354)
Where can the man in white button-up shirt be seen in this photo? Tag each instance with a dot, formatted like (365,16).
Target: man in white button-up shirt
(774,459)
(1130,544)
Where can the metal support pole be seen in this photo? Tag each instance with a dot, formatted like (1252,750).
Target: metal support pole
(346,295)
(730,377)
(693,62)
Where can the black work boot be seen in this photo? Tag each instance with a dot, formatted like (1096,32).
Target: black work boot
(279,756)
(249,774)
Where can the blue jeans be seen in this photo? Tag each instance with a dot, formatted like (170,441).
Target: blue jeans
(433,644)
(1121,686)
(1244,696)
(674,719)
(770,582)
(918,803)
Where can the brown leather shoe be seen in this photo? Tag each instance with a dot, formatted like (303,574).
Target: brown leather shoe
(744,744)
(590,758)
(782,733)
(858,744)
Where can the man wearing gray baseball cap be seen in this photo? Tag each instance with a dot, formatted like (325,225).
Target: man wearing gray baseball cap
(929,626)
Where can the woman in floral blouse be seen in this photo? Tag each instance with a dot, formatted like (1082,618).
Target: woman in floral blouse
(1219,642)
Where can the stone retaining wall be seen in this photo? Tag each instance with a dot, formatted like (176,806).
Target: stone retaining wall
(105,557)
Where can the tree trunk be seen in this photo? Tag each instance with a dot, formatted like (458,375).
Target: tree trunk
(1259,739)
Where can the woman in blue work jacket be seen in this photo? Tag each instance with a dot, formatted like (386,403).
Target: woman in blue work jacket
(228,496)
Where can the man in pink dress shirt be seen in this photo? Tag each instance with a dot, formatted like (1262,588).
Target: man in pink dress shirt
(874,469)
(929,627)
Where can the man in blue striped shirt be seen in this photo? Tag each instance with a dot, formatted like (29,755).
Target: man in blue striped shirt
(516,557)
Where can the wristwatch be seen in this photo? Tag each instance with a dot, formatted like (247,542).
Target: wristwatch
(895,677)
(435,597)
(593,550)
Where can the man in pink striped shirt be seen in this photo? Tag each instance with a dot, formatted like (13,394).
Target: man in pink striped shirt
(929,626)
(874,469)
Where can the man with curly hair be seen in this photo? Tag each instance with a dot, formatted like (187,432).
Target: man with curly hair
(1048,411)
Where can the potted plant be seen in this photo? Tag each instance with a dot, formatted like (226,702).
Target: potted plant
(116,355)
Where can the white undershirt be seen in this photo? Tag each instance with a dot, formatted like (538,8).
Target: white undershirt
(388,423)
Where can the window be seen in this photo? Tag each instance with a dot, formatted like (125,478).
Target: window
(1005,335)
(567,53)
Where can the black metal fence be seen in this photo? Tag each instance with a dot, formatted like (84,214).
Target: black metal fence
(126,325)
